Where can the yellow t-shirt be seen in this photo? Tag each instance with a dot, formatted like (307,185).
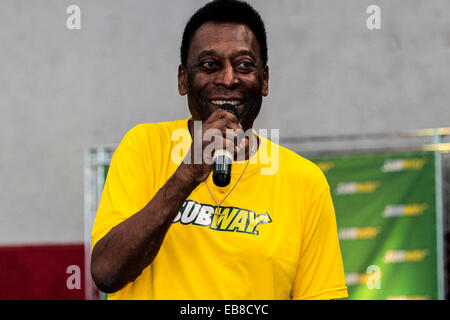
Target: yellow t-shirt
(277,237)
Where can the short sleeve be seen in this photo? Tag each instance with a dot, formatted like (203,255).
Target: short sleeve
(126,189)
(320,273)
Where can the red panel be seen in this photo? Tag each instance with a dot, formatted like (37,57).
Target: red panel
(40,271)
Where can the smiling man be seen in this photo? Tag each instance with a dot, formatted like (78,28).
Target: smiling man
(163,230)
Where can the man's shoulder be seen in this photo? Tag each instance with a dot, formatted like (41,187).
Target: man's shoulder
(155,129)
(144,135)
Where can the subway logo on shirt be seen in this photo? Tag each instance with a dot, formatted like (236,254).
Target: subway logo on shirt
(230,218)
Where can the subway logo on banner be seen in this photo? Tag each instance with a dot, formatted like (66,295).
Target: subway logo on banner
(404,210)
(325,166)
(408,298)
(344,188)
(230,218)
(352,279)
(396,165)
(358,233)
(397,256)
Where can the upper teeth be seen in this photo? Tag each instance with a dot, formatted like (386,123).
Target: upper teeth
(221,102)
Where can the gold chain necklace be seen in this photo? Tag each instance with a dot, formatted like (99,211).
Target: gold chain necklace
(217,209)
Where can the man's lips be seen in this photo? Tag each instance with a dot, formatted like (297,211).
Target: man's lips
(222,101)
(238,104)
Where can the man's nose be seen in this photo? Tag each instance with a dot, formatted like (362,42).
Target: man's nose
(227,76)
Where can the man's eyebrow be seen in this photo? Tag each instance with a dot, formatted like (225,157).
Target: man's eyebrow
(213,52)
(205,53)
(244,53)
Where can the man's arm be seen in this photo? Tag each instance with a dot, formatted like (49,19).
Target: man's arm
(128,248)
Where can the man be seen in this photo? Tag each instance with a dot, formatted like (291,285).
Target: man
(163,229)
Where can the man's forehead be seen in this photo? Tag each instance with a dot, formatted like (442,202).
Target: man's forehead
(219,28)
(212,34)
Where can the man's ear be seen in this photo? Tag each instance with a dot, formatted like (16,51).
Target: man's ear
(265,87)
(182,84)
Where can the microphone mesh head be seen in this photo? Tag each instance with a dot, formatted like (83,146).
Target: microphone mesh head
(230,108)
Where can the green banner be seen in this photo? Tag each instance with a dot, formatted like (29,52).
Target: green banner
(386,215)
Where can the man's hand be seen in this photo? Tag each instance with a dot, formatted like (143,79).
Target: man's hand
(221,130)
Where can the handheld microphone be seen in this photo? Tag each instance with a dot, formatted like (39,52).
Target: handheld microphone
(223,158)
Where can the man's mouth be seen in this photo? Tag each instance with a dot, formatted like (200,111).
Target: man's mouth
(222,102)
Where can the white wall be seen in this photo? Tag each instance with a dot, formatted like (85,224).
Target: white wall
(62,90)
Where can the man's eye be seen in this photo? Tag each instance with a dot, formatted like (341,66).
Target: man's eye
(209,64)
(245,65)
